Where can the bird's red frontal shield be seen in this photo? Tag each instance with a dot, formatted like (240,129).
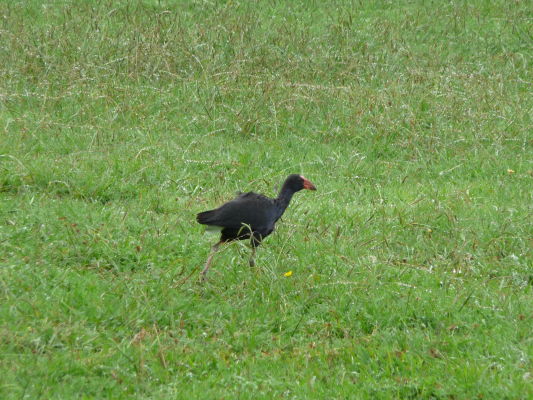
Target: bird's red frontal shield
(308,185)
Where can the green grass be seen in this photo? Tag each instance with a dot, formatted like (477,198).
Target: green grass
(412,263)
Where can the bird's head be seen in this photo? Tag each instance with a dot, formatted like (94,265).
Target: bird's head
(297,182)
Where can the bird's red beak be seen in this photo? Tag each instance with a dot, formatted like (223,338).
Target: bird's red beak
(308,184)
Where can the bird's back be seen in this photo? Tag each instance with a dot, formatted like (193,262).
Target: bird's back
(251,209)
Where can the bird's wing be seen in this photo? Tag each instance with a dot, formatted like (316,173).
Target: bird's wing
(250,208)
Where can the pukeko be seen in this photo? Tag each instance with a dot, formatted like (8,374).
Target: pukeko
(250,216)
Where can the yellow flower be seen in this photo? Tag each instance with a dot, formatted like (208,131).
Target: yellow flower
(510,171)
(287,274)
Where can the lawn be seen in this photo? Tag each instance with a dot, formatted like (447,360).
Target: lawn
(407,274)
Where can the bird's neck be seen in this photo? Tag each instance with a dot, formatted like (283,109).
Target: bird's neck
(284,198)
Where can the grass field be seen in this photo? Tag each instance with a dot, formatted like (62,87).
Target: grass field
(412,265)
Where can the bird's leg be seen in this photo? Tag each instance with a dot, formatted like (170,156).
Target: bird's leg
(214,249)
(255,240)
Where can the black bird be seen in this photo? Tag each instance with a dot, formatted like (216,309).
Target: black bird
(250,216)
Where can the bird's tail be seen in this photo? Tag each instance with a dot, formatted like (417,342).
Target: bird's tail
(206,217)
